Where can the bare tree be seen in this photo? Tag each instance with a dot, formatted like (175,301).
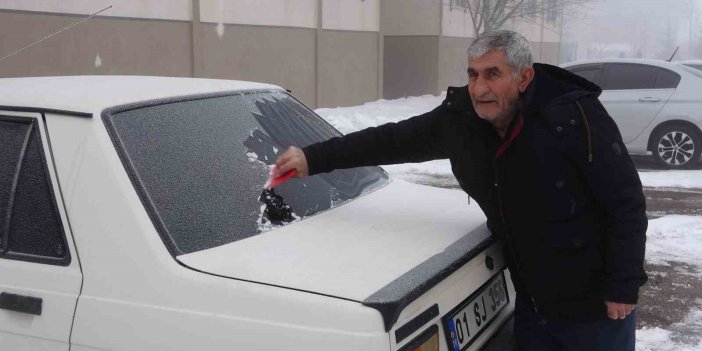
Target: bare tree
(489,15)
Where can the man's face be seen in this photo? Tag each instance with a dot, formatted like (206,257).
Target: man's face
(493,88)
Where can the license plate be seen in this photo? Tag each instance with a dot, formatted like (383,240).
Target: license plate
(470,318)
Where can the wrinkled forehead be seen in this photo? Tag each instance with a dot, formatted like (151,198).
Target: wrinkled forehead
(490,60)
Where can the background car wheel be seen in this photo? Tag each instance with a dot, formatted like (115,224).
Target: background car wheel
(676,147)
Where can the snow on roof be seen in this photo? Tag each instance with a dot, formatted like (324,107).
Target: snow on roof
(92,94)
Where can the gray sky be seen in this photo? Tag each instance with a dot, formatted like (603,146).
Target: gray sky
(629,28)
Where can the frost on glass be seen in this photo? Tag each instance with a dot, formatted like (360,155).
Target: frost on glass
(200,166)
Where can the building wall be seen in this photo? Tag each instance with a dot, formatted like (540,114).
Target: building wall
(350,52)
(289,13)
(272,41)
(358,15)
(154,9)
(284,56)
(453,62)
(100,46)
(348,68)
(410,66)
(411,17)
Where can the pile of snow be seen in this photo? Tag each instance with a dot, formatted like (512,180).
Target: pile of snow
(675,239)
(676,339)
(351,119)
(672,179)
(372,114)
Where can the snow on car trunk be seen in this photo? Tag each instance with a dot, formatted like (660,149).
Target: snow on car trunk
(351,251)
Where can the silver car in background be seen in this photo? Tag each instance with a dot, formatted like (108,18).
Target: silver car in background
(656,104)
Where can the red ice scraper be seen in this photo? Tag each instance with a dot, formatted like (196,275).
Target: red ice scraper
(272,182)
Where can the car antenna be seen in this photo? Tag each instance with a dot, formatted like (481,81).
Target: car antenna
(54,33)
(674,52)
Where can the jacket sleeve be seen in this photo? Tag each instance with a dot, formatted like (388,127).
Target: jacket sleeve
(416,139)
(610,174)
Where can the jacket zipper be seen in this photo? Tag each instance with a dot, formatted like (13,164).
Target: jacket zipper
(508,236)
(500,153)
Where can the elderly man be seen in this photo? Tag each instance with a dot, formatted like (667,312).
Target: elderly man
(546,163)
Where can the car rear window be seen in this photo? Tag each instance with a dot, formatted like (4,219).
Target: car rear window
(199,166)
(697,66)
(625,76)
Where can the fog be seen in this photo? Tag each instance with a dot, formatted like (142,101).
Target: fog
(633,28)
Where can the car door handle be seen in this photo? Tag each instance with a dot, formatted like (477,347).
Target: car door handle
(20,303)
(649,99)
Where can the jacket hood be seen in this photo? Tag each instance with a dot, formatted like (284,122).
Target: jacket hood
(551,83)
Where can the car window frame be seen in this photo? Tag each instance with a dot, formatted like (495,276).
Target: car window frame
(7,253)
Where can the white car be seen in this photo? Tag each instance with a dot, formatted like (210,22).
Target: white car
(656,104)
(131,218)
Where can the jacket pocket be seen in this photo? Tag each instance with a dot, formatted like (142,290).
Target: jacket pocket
(576,257)
(574,233)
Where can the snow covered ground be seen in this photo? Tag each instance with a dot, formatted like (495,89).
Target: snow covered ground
(671,239)
(672,179)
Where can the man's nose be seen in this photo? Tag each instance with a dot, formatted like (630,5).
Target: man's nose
(480,87)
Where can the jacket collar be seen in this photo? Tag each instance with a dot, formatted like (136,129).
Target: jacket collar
(458,100)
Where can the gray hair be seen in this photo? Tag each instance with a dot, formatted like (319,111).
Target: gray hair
(514,44)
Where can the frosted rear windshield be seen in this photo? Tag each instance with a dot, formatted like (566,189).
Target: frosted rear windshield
(199,166)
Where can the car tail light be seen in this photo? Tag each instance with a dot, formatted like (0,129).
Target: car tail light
(427,341)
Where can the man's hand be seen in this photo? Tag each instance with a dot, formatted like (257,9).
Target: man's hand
(293,158)
(617,310)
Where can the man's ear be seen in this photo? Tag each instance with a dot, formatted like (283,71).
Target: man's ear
(525,78)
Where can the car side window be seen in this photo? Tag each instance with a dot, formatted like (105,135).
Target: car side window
(30,224)
(589,72)
(667,79)
(626,76)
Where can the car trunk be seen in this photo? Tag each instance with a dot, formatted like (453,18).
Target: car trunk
(355,250)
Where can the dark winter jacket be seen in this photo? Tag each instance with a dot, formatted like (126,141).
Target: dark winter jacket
(560,191)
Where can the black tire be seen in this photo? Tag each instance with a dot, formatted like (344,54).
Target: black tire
(676,147)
